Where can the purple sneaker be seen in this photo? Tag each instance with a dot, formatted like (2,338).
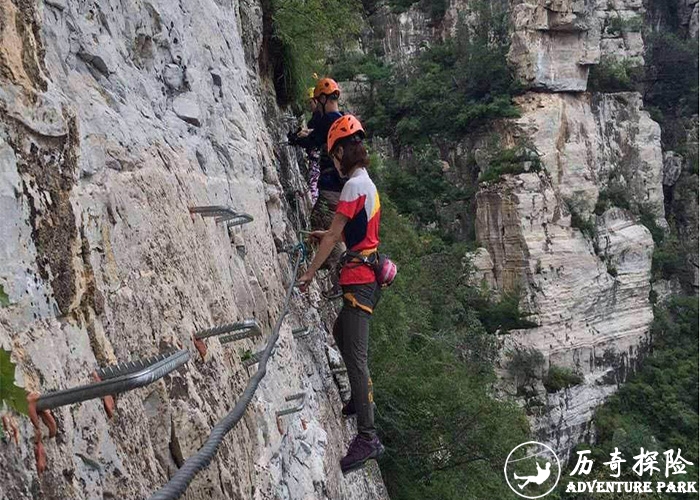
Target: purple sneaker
(361,450)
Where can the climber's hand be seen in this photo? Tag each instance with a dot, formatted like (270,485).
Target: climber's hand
(316,236)
(304,132)
(305,280)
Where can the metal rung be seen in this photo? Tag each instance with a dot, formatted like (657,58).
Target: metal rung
(302,332)
(255,358)
(223,214)
(250,326)
(110,372)
(338,371)
(238,220)
(300,396)
(129,379)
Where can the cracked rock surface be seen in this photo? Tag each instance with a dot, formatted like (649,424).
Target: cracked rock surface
(115,118)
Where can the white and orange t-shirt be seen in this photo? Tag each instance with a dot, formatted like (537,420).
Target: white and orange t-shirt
(359,202)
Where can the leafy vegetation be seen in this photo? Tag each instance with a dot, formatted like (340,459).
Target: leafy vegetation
(579,221)
(671,86)
(10,395)
(450,88)
(432,368)
(611,75)
(615,195)
(559,378)
(4,298)
(514,161)
(303,31)
(525,366)
(417,186)
(617,25)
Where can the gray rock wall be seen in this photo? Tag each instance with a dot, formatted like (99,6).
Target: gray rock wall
(115,117)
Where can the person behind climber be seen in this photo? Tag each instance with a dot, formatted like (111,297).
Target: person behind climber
(330,183)
(356,220)
(313,152)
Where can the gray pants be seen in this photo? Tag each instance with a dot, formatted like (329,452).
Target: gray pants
(351,333)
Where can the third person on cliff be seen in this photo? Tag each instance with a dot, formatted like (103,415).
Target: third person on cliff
(356,221)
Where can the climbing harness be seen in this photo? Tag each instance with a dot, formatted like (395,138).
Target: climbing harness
(384,268)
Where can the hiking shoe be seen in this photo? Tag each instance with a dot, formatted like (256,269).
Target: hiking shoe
(361,449)
(348,410)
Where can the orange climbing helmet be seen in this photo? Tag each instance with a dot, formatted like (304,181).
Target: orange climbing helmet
(345,126)
(326,86)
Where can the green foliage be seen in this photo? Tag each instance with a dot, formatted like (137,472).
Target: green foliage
(4,298)
(504,315)
(668,260)
(671,85)
(432,368)
(451,88)
(418,186)
(434,8)
(648,220)
(513,161)
(580,221)
(525,366)
(350,66)
(615,195)
(303,32)
(612,75)
(11,395)
(559,378)
(617,25)
(658,407)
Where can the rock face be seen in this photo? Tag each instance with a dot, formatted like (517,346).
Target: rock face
(566,238)
(114,119)
(554,43)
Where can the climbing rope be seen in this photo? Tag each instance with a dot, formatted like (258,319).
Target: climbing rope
(177,485)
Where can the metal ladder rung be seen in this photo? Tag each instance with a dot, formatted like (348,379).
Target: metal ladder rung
(302,332)
(238,220)
(255,358)
(338,371)
(299,396)
(112,371)
(248,325)
(131,377)
(223,214)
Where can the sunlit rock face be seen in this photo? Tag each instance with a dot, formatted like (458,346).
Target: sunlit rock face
(115,118)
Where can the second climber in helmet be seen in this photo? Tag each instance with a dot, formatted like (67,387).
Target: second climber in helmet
(356,221)
(325,95)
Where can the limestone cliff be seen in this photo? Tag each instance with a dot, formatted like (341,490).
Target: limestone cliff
(115,118)
(583,267)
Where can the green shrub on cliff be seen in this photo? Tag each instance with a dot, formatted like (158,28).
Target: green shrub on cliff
(450,88)
(303,32)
